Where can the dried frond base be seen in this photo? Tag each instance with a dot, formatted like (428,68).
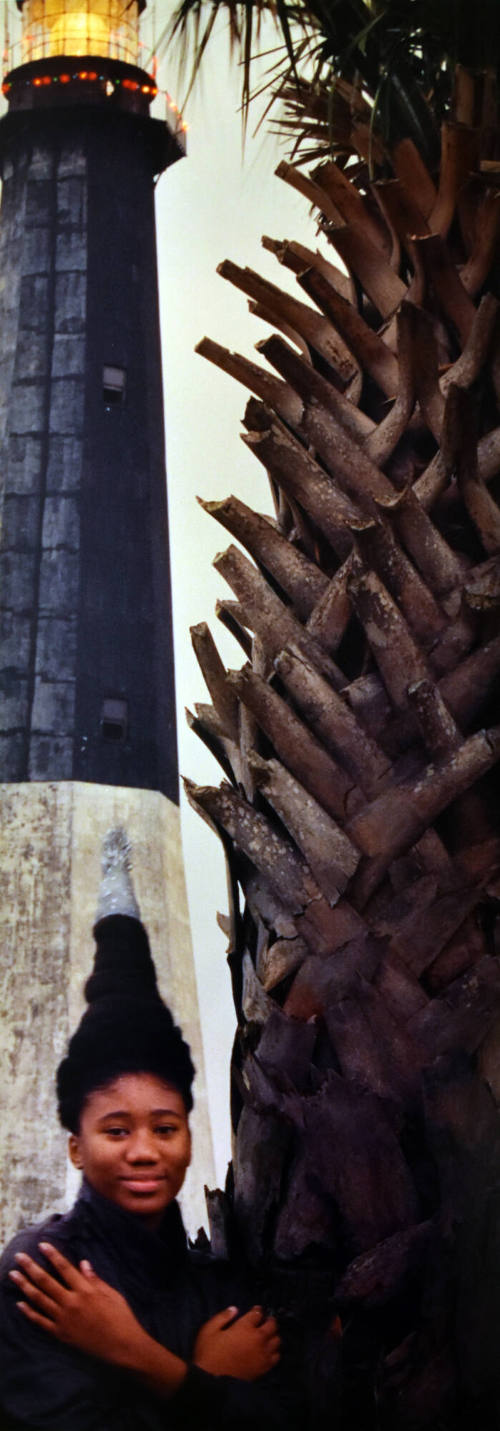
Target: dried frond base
(361,821)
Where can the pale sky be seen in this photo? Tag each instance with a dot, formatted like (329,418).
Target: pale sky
(212,205)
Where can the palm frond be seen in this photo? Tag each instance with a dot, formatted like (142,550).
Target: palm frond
(404,51)
(244,28)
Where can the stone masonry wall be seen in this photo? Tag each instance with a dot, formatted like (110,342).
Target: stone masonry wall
(52,835)
(43,259)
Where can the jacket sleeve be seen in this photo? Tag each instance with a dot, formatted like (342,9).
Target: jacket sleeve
(275,1402)
(223,1403)
(46,1386)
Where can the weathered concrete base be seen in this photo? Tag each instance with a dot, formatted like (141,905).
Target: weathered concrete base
(50,851)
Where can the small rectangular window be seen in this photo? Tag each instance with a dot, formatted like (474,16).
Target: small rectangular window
(114,382)
(114,719)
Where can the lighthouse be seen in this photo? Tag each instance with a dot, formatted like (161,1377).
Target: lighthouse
(87,697)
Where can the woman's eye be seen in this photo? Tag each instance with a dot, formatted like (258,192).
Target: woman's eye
(116,1132)
(165,1128)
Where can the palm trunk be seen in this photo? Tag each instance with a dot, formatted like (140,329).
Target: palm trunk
(359,818)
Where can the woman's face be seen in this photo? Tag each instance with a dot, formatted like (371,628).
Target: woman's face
(134,1144)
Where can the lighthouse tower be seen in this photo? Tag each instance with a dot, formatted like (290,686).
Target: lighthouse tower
(87,714)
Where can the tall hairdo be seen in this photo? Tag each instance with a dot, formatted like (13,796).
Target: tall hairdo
(127,1028)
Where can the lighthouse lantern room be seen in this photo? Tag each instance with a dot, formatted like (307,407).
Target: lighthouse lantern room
(108,28)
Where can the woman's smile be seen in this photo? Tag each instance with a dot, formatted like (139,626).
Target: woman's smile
(133,1144)
(142,1185)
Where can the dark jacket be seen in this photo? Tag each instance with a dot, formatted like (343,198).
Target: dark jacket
(48,1386)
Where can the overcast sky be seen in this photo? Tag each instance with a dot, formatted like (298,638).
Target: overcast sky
(213,205)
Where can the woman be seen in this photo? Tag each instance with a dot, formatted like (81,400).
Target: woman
(107,1323)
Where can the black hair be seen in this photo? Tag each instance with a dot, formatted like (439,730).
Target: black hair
(127,1027)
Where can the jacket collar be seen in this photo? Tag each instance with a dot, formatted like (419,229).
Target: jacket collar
(159,1253)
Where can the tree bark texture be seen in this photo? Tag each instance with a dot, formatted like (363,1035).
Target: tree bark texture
(359,816)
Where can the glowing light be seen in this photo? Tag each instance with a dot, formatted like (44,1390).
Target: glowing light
(83,34)
(81,27)
(86,77)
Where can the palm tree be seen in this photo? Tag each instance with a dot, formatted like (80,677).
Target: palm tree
(359,741)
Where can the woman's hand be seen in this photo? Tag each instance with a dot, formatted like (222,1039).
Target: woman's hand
(245,1348)
(85,1312)
(82,1310)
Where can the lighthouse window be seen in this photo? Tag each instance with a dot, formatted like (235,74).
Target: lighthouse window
(114,382)
(114,719)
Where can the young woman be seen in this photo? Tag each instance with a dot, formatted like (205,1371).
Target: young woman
(107,1322)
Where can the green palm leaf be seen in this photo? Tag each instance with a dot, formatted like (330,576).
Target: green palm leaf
(405,51)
